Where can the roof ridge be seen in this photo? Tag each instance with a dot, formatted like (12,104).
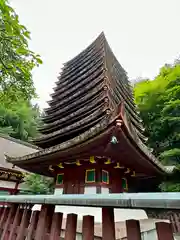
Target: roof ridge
(15,140)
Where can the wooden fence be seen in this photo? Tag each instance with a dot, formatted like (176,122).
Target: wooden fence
(19,222)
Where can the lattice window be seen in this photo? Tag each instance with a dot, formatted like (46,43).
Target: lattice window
(124,184)
(59,179)
(90,176)
(105,177)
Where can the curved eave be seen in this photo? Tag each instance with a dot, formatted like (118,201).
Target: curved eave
(91,74)
(81,54)
(75,127)
(79,82)
(65,75)
(74,116)
(69,98)
(143,151)
(87,142)
(74,105)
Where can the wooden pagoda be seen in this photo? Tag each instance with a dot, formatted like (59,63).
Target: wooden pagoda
(92,139)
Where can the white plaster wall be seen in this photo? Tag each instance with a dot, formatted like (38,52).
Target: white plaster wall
(58,191)
(22,186)
(78,236)
(104,190)
(120,214)
(7,184)
(90,190)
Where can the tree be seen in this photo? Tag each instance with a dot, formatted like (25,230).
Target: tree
(38,184)
(159,104)
(19,120)
(18,117)
(16,60)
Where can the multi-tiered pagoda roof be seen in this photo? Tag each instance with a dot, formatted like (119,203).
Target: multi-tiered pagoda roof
(92,112)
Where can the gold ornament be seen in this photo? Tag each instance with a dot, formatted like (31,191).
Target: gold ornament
(92,159)
(128,171)
(118,166)
(108,161)
(60,165)
(78,163)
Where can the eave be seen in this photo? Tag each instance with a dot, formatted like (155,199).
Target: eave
(94,142)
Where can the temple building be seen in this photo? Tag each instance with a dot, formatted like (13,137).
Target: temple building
(92,139)
(12,177)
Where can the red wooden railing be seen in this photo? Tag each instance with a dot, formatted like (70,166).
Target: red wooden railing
(19,222)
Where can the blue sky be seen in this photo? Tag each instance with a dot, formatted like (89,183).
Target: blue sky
(143,34)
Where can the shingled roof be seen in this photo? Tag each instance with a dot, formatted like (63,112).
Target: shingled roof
(92,102)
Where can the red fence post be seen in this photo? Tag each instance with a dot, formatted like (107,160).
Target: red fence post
(56,226)
(164,231)
(16,223)
(176,219)
(3,218)
(133,230)
(71,224)
(88,228)
(41,225)
(108,224)
(24,224)
(9,220)
(33,224)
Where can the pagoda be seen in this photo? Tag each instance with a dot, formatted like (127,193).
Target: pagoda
(92,139)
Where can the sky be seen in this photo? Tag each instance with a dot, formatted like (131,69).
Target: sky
(143,34)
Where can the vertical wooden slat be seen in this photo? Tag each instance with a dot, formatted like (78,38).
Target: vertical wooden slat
(56,226)
(71,224)
(3,219)
(33,225)
(1,211)
(50,212)
(172,221)
(41,226)
(2,216)
(108,224)
(24,223)
(133,230)
(9,220)
(164,231)
(15,224)
(176,218)
(88,228)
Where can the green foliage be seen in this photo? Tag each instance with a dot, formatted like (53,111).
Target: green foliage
(19,120)
(159,104)
(16,60)
(38,184)
(170,186)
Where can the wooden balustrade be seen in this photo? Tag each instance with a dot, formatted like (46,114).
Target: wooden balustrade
(19,222)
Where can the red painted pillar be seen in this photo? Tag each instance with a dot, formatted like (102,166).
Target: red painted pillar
(56,226)
(164,231)
(133,230)
(70,233)
(108,224)
(88,228)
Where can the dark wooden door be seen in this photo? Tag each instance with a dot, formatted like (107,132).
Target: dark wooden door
(115,181)
(73,182)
